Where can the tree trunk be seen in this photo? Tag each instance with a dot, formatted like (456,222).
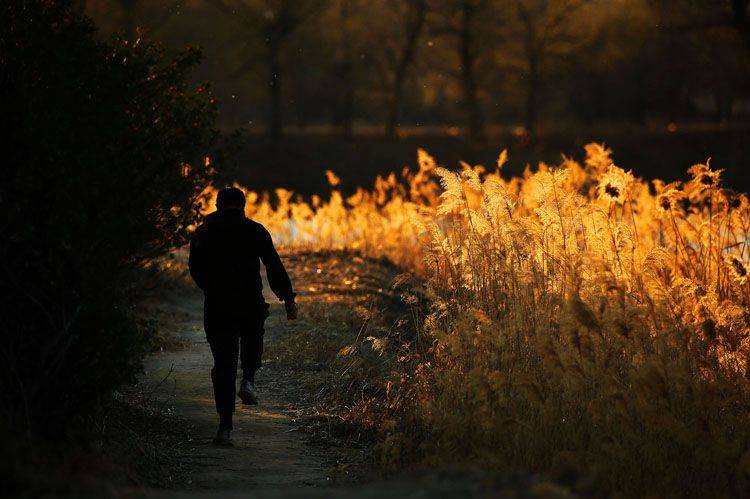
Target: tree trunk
(532,53)
(394,104)
(346,100)
(724,104)
(275,120)
(741,20)
(468,80)
(347,108)
(414,29)
(532,91)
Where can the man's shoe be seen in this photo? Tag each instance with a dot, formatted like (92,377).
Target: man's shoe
(223,438)
(247,393)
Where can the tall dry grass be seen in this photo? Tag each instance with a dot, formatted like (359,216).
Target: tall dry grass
(585,321)
(582,320)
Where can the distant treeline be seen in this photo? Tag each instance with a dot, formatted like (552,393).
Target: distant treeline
(470,63)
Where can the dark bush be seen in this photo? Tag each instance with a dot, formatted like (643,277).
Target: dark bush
(105,146)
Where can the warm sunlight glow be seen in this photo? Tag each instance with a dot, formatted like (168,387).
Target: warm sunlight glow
(574,230)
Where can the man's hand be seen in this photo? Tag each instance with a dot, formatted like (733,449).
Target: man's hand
(291,310)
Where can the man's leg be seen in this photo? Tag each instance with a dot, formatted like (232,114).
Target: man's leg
(224,375)
(251,349)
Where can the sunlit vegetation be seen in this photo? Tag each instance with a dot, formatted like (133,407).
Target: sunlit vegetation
(579,316)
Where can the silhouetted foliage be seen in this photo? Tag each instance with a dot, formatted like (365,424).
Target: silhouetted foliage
(106,149)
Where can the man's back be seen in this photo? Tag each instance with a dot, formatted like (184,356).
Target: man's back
(225,255)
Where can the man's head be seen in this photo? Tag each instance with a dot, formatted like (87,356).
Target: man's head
(230,198)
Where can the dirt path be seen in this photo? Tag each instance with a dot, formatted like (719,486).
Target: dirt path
(271,449)
(274,455)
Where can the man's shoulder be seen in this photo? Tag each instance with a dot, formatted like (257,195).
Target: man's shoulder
(244,225)
(208,220)
(255,226)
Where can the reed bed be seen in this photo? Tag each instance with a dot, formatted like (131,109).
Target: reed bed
(582,322)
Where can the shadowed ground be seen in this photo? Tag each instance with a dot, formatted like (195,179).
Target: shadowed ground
(270,450)
(275,454)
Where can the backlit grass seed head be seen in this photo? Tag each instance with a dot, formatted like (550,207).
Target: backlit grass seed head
(729,200)
(614,185)
(598,157)
(425,161)
(333,180)
(744,203)
(664,203)
(668,197)
(502,159)
(703,177)
(738,268)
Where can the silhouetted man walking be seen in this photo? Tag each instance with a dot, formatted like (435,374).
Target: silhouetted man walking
(225,255)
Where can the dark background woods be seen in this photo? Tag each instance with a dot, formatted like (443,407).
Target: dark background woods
(665,83)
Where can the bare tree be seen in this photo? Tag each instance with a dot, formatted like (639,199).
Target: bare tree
(345,40)
(346,66)
(719,19)
(469,10)
(545,32)
(463,21)
(741,19)
(395,38)
(683,16)
(274,21)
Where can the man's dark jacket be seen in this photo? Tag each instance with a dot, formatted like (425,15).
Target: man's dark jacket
(225,255)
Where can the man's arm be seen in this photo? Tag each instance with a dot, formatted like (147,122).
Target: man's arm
(278,279)
(196,261)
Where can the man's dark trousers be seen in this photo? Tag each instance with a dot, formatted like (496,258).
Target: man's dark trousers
(232,334)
